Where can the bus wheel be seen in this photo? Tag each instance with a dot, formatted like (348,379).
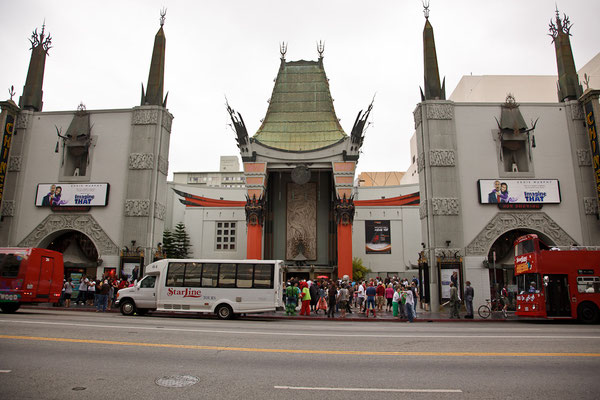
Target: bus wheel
(223,311)
(128,308)
(588,313)
(10,308)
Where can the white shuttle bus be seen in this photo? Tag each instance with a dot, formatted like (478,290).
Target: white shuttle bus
(223,287)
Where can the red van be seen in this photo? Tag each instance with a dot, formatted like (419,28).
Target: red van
(29,275)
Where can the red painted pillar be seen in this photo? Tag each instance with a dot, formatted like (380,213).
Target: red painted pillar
(254,242)
(344,248)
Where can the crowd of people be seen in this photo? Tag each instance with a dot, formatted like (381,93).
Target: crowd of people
(100,293)
(395,295)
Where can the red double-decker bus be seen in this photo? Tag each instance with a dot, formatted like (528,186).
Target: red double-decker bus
(29,275)
(557,283)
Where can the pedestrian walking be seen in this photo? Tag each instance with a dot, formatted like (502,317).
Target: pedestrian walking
(469,294)
(331,300)
(396,302)
(343,298)
(83,288)
(371,292)
(68,288)
(409,303)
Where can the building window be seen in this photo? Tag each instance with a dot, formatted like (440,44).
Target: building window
(225,236)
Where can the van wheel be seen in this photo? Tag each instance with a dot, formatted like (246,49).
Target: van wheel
(588,313)
(128,308)
(223,311)
(10,308)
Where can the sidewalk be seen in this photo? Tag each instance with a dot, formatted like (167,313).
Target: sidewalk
(422,316)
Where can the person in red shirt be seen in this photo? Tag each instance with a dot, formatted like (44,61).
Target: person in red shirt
(380,296)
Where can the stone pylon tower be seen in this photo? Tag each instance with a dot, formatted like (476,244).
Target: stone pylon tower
(145,203)
(439,182)
(32,91)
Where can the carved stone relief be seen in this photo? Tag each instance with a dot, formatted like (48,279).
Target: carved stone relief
(159,211)
(23,119)
(84,223)
(14,163)
(301,221)
(418,116)
(145,117)
(423,209)
(141,160)
(446,252)
(163,165)
(137,208)
(8,208)
(507,221)
(442,158)
(445,206)
(167,121)
(421,162)
(590,205)
(583,157)
(576,111)
(440,111)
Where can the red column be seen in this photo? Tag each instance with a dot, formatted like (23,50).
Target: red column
(344,248)
(254,242)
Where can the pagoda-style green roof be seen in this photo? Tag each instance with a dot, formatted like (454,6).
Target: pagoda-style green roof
(300,116)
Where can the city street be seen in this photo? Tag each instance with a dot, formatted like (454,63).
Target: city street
(53,354)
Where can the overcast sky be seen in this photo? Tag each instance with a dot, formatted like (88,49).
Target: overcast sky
(101,54)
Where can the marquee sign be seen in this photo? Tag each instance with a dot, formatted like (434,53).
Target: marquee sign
(519,191)
(8,130)
(590,121)
(66,195)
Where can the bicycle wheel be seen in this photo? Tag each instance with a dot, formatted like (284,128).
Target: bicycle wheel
(484,311)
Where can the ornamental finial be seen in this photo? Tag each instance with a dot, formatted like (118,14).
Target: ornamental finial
(426,8)
(163,14)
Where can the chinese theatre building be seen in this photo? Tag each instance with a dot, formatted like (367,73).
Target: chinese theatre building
(299,167)
(501,158)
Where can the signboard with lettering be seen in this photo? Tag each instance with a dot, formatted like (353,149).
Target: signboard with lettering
(519,191)
(8,130)
(590,121)
(72,195)
(378,237)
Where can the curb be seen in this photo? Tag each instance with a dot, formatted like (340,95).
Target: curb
(283,317)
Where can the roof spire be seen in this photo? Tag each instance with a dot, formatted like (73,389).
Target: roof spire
(282,50)
(568,81)
(320,48)
(32,91)
(433,89)
(156,77)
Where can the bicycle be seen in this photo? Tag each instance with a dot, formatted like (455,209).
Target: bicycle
(489,307)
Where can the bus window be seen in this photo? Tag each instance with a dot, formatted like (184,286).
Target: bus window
(263,276)
(175,274)
(193,273)
(525,247)
(588,284)
(528,283)
(148,281)
(9,265)
(227,275)
(209,275)
(244,275)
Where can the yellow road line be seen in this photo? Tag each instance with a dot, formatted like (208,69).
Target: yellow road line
(293,351)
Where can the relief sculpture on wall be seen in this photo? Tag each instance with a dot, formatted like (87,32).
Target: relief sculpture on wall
(301,221)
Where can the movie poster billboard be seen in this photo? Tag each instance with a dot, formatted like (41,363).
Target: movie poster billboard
(378,237)
(519,191)
(71,195)
(447,276)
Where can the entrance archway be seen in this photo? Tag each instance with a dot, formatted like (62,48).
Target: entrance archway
(500,260)
(80,254)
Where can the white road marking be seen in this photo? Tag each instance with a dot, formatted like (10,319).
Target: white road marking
(344,389)
(336,335)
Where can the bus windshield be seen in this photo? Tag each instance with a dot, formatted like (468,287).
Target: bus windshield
(525,247)
(528,283)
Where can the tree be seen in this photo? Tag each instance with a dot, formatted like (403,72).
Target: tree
(169,244)
(359,271)
(181,240)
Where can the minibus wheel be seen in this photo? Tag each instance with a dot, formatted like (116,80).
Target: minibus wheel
(10,308)
(588,313)
(127,308)
(223,311)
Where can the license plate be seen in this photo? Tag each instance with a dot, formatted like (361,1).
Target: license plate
(9,297)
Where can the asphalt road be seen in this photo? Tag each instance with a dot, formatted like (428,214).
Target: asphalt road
(81,355)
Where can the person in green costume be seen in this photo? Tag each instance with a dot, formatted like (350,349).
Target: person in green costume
(292,292)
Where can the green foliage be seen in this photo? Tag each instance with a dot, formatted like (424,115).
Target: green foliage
(169,244)
(359,271)
(176,244)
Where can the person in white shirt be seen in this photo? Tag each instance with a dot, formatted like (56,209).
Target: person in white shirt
(360,298)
